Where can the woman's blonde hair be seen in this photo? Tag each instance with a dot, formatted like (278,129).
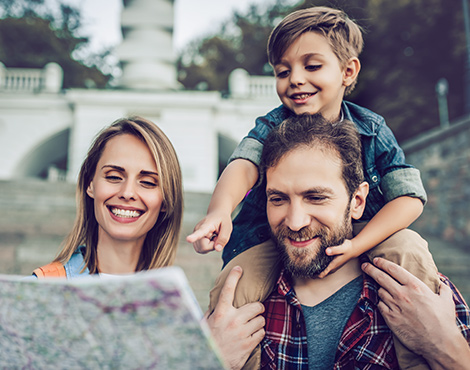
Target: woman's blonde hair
(160,244)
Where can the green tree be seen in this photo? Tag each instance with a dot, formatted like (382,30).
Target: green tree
(32,35)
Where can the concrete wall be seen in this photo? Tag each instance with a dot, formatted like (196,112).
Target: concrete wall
(443,157)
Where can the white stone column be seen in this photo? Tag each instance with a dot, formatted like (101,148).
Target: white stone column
(146,52)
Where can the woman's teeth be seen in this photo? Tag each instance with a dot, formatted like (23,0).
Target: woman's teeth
(124,212)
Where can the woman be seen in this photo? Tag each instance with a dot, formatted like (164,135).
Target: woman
(129,204)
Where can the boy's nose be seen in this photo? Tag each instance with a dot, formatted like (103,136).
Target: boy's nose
(297,77)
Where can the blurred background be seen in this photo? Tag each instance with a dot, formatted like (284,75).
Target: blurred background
(199,70)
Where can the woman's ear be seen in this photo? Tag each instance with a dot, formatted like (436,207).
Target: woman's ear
(351,70)
(358,201)
(90,190)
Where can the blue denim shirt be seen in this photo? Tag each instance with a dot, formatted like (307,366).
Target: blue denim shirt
(385,170)
(74,266)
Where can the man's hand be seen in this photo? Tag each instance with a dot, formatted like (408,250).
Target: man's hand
(343,253)
(236,331)
(425,322)
(211,233)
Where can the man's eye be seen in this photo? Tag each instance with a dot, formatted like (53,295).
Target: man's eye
(316,198)
(276,200)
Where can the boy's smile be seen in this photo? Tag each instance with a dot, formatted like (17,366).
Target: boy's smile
(309,77)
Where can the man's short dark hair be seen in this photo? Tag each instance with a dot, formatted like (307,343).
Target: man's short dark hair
(315,131)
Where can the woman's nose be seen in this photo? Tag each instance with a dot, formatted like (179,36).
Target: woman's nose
(128,191)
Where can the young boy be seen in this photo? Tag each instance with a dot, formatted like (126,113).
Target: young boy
(314,53)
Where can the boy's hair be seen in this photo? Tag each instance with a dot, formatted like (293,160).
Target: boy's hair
(343,35)
(309,130)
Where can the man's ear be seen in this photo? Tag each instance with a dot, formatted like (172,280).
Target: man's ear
(90,190)
(351,70)
(358,201)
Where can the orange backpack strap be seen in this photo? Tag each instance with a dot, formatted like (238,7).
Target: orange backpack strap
(53,269)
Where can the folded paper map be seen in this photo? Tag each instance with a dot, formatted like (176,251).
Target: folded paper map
(149,320)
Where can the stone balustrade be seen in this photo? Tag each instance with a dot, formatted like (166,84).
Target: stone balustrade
(31,80)
(242,85)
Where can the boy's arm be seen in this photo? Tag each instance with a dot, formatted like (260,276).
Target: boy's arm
(213,231)
(395,215)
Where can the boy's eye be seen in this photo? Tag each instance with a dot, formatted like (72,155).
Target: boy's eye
(313,67)
(282,74)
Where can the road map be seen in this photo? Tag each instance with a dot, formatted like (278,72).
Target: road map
(147,320)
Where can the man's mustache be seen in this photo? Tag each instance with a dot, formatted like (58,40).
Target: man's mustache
(304,233)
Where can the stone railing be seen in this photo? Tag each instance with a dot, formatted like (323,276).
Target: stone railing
(242,85)
(47,79)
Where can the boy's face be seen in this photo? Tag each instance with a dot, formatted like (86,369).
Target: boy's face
(309,77)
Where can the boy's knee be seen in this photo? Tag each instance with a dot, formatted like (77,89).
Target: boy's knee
(261,268)
(409,250)
(403,245)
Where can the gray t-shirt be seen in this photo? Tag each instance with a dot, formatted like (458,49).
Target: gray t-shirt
(325,323)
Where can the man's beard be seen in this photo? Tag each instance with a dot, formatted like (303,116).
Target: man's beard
(310,261)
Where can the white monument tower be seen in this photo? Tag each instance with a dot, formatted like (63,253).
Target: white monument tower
(146,52)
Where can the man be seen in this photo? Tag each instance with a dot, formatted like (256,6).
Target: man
(314,189)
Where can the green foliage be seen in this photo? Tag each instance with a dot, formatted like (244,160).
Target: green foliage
(409,46)
(32,35)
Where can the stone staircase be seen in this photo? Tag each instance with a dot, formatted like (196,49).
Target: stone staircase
(36,216)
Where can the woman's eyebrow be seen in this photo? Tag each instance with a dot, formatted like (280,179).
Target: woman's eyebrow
(113,166)
(150,173)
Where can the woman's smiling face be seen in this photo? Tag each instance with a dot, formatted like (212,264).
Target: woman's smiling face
(126,191)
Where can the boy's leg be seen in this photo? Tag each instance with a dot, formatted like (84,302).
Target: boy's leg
(261,269)
(409,250)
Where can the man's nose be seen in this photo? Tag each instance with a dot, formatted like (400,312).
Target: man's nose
(297,217)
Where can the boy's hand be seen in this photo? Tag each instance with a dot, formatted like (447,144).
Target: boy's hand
(343,253)
(212,233)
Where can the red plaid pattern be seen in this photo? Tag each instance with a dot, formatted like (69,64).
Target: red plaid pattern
(366,342)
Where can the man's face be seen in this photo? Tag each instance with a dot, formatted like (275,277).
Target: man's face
(308,208)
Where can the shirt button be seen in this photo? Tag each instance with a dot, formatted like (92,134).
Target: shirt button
(374,178)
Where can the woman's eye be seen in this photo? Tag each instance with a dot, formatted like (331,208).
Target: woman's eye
(113,178)
(150,184)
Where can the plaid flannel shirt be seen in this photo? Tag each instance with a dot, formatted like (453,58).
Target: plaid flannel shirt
(366,342)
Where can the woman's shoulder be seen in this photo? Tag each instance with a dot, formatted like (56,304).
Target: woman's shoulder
(76,263)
